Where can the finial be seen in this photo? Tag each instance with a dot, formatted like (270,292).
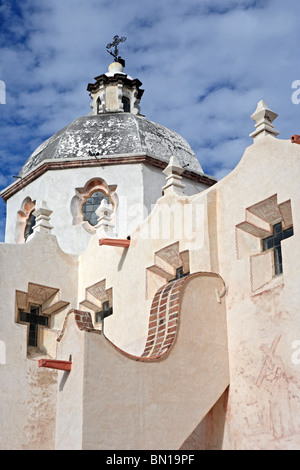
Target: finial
(173,179)
(263,117)
(42,214)
(105,225)
(114,45)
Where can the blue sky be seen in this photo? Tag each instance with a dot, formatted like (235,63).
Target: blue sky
(204,65)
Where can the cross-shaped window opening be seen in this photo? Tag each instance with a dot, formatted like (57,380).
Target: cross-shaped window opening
(35,320)
(105,312)
(274,242)
(179,274)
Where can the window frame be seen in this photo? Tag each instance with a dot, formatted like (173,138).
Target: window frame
(106,196)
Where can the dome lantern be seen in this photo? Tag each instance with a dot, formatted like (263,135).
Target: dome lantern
(115,92)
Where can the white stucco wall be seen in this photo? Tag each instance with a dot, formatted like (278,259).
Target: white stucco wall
(262,414)
(28,393)
(264,391)
(155,179)
(57,188)
(138,188)
(126,404)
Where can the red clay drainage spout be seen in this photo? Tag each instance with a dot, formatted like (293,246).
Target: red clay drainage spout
(295,139)
(114,242)
(55,364)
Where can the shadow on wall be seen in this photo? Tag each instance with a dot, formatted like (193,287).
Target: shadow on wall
(208,435)
(64,378)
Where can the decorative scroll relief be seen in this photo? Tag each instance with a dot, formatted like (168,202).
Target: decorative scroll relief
(163,321)
(163,325)
(258,225)
(165,316)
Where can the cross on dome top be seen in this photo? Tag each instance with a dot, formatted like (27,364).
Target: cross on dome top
(115,91)
(114,45)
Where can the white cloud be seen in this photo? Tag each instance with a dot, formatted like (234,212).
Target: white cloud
(204,66)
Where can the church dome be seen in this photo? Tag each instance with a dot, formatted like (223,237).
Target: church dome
(114,128)
(107,135)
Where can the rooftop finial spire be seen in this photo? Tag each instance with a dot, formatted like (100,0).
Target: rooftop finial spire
(263,116)
(114,45)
